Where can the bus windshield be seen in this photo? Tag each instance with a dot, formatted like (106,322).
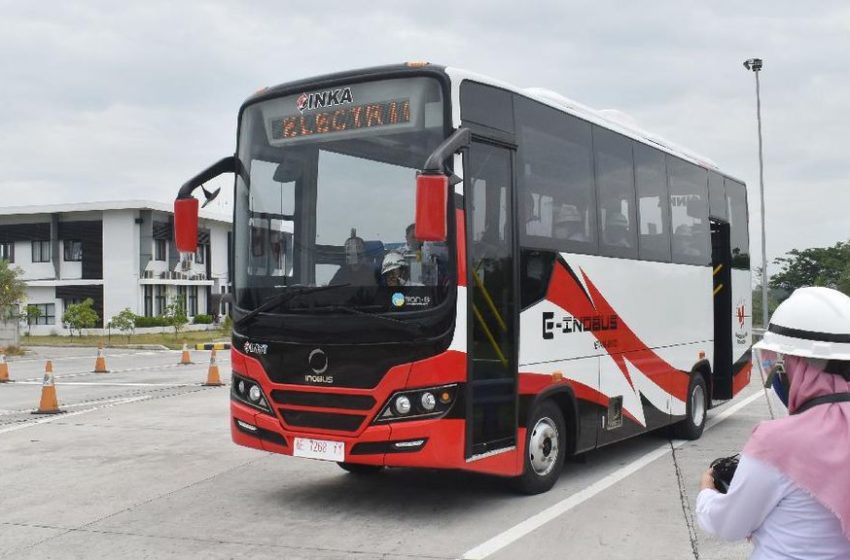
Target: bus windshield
(328,199)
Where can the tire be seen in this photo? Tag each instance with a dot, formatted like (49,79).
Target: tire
(356,468)
(696,410)
(545,449)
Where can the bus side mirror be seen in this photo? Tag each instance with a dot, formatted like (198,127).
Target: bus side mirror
(186,224)
(432,192)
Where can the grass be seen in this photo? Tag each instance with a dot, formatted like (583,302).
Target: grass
(12,350)
(164,339)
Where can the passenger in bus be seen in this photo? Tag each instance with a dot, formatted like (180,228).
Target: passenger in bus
(395,271)
(424,259)
(789,492)
(568,224)
(533,223)
(357,270)
(617,230)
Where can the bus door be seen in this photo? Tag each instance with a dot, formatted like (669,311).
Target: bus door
(721,262)
(491,392)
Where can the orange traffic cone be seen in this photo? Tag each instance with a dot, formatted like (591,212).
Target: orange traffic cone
(100,362)
(213,380)
(4,369)
(185,359)
(48,404)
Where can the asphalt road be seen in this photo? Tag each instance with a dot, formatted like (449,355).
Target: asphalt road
(141,466)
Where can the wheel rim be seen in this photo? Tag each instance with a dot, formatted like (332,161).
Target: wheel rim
(698,405)
(543,446)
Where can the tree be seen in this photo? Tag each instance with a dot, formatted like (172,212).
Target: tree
(819,266)
(175,314)
(125,322)
(13,290)
(80,316)
(32,315)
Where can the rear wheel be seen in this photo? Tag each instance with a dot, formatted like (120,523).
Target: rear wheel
(356,468)
(545,447)
(694,423)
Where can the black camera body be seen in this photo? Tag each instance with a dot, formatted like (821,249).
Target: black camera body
(723,469)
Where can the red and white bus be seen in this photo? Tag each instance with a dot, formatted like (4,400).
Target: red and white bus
(432,268)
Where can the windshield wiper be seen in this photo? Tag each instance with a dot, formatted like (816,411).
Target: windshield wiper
(280,299)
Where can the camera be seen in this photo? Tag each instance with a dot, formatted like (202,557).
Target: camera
(723,469)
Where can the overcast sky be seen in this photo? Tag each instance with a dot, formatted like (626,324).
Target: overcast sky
(118,100)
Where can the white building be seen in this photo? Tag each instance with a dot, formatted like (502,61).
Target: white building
(120,254)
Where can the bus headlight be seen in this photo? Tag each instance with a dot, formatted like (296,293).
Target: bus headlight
(417,404)
(248,392)
(402,404)
(428,401)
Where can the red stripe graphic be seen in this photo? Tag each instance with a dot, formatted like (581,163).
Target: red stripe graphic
(461,248)
(566,292)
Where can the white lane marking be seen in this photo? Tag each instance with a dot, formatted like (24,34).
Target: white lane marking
(68,375)
(55,417)
(534,522)
(93,356)
(110,384)
(75,405)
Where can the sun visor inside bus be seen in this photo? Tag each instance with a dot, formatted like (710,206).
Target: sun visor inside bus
(289,170)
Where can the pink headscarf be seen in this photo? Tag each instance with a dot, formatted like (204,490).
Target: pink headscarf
(812,448)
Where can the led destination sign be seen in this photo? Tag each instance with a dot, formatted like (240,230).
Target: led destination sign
(352,118)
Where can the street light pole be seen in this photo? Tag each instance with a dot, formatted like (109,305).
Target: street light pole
(755,64)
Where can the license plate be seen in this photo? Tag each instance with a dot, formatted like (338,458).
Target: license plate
(319,449)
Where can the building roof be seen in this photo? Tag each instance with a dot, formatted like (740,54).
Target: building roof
(103,206)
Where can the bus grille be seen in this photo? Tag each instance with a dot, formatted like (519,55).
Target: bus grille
(323,400)
(322,420)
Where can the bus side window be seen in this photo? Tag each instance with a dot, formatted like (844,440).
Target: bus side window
(689,212)
(615,192)
(653,203)
(555,179)
(717,197)
(736,197)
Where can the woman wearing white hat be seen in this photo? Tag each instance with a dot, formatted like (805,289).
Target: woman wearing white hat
(791,491)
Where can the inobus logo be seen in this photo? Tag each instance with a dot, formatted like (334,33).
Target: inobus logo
(569,324)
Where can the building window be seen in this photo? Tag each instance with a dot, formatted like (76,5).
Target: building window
(181,297)
(40,251)
(160,300)
(148,301)
(193,301)
(200,254)
(159,249)
(7,252)
(48,313)
(73,250)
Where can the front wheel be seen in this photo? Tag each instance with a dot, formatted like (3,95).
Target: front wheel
(694,423)
(356,468)
(545,448)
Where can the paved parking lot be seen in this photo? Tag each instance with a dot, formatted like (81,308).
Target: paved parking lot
(141,466)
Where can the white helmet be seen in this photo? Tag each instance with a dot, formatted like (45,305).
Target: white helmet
(392,261)
(812,323)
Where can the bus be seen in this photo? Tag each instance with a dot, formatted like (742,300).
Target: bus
(433,268)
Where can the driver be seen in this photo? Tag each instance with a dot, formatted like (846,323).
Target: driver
(357,270)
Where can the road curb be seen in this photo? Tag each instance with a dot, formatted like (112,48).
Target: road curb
(213,345)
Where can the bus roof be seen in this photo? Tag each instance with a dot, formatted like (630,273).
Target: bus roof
(615,120)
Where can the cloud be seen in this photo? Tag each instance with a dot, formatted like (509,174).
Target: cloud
(104,101)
